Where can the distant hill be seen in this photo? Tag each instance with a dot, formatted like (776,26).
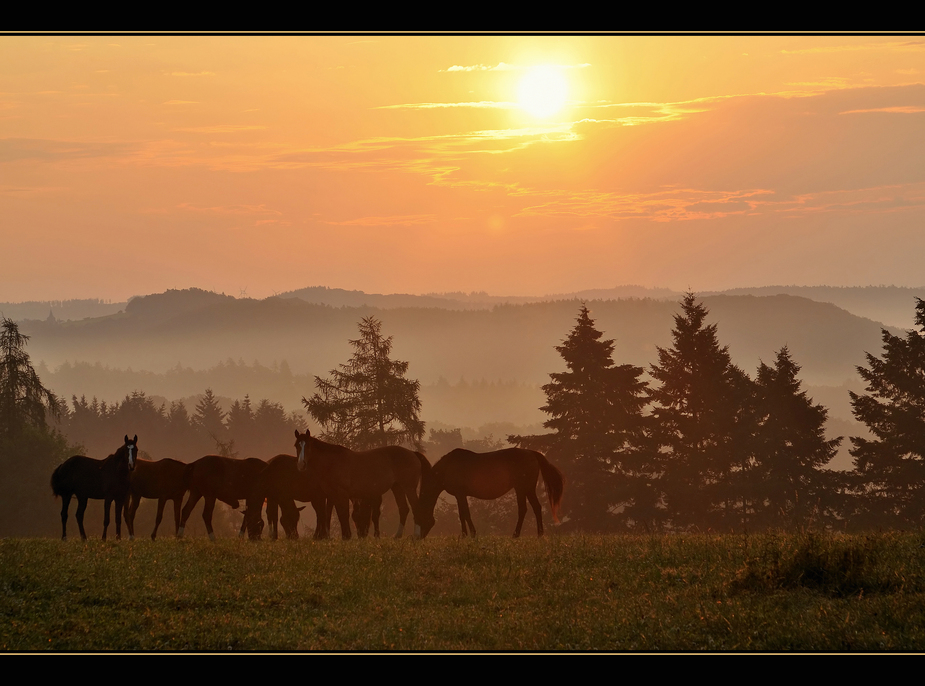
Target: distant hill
(507,342)
(338,297)
(63,310)
(891,305)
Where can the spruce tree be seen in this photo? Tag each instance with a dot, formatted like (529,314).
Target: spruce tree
(368,402)
(891,466)
(703,424)
(598,442)
(790,484)
(24,401)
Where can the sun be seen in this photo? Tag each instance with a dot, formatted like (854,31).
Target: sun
(542,91)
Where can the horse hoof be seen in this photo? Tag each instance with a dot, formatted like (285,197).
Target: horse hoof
(131,538)
(211,537)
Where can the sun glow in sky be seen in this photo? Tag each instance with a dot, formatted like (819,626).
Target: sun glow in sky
(133,164)
(542,91)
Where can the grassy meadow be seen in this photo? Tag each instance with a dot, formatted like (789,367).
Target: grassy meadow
(769,592)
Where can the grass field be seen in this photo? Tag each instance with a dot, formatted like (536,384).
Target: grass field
(805,592)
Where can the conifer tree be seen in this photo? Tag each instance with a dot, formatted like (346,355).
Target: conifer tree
(891,466)
(368,402)
(24,401)
(790,485)
(598,442)
(703,423)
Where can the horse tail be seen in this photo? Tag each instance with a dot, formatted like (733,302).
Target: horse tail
(555,484)
(59,480)
(425,464)
(56,481)
(188,476)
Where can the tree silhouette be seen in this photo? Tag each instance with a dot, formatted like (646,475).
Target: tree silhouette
(891,466)
(704,425)
(368,402)
(595,412)
(789,482)
(24,401)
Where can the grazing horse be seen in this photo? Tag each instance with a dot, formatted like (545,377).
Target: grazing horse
(164,480)
(106,480)
(214,477)
(281,483)
(488,476)
(345,474)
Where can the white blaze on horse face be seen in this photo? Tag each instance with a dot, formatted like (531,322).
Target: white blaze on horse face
(302,454)
(131,457)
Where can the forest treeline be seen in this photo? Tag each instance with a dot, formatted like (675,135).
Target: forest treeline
(692,443)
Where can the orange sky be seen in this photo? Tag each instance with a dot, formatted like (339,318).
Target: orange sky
(133,164)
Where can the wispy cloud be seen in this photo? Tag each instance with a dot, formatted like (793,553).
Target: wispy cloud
(392,220)
(222,128)
(846,47)
(503,66)
(229,209)
(441,105)
(901,109)
(686,204)
(191,73)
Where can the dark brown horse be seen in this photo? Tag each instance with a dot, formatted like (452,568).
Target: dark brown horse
(281,483)
(345,474)
(162,480)
(488,476)
(214,477)
(106,480)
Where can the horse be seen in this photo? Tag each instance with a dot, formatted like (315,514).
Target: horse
(107,480)
(281,483)
(164,480)
(214,477)
(344,474)
(488,476)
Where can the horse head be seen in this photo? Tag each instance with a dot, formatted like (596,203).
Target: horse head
(131,447)
(302,447)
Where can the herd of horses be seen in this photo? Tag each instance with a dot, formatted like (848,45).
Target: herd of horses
(330,477)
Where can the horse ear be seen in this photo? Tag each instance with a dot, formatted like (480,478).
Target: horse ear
(126,438)
(296,433)
(135,440)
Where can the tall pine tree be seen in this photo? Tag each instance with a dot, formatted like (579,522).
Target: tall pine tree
(790,486)
(704,423)
(891,466)
(368,402)
(595,410)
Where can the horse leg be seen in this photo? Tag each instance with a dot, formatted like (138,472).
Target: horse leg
(131,507)
(81,508)
(120,506)
(106,503)
(411,494)
(402,504)
(177,502)
(462,504)
(273,513)
(65,504)
(375,511)
(537,510)
(521,512)
(194,497)
(361,516)
(320,507)
(343,514)
(161,502)
(207,510)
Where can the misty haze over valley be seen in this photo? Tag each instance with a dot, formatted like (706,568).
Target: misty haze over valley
(481,359)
